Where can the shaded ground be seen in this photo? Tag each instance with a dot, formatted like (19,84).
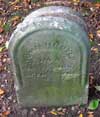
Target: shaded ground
(11,13)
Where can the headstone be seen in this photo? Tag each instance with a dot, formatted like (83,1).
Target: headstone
(50,57)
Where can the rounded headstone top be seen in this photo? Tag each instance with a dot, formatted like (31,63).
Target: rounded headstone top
(53,16)
(52,10)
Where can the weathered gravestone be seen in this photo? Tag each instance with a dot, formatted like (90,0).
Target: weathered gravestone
(50,53)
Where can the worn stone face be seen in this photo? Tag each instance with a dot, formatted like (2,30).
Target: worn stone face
(50,58)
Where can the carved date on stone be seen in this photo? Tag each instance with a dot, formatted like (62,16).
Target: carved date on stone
(50,55)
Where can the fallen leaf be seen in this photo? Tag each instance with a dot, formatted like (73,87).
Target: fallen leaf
(97,87)
(14,23)
(97,5)
(4,60)
(0,22)
(1,91)
(1,48)
(93,104)
(15,2)
(91,36)
(60,113)
(90,114)
(6,44)
(1,29)
(92,9)
(15,18)
(53,112)
(76,0)
(98,33)
(6,113)
(34,109)
(95,49)
(81,115)
(98,44)
(17,7)
(59,109)
(5,68)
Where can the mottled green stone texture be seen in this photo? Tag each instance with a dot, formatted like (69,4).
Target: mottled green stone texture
(50,58)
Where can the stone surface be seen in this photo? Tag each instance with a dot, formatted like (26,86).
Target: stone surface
(50,56)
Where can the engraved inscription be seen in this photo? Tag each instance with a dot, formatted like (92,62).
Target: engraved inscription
(49,59)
